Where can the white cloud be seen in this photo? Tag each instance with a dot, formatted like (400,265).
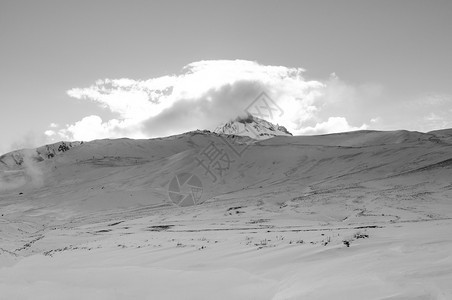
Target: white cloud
(375,120)
(432,117)
(333,125)
(92,127)
(203,95)
(49,133)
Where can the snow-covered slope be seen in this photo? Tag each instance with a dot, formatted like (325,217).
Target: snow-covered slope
(253,127)
(17,158)
(359,215)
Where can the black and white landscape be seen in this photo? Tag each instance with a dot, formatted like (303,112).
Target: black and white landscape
(206,149)
(356,215)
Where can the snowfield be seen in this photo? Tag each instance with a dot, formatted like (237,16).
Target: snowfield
(358,215)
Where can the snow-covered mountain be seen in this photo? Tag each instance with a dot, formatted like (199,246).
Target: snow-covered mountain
(357,215)
(18,157)
(252,127)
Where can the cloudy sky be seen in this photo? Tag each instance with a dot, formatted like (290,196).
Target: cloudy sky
(83,70)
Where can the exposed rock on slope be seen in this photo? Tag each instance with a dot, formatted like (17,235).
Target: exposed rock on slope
(17,158)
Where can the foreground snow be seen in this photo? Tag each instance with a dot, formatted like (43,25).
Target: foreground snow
(246,261)
(358,216)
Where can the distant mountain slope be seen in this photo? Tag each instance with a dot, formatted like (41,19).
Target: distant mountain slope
(368,138)
(293,163)
(18,157)
(445,135)
(253,127)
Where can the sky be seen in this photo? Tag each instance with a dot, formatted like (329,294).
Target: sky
(84,70)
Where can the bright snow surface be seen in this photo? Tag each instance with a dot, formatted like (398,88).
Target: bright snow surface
(97,222)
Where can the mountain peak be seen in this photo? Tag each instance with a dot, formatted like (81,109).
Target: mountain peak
(252,127)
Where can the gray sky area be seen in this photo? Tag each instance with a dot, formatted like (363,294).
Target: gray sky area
(84,70)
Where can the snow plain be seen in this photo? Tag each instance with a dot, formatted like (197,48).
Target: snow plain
(359,215)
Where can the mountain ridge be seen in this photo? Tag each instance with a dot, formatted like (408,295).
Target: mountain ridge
(18,157)
(252,127)
(350,138)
